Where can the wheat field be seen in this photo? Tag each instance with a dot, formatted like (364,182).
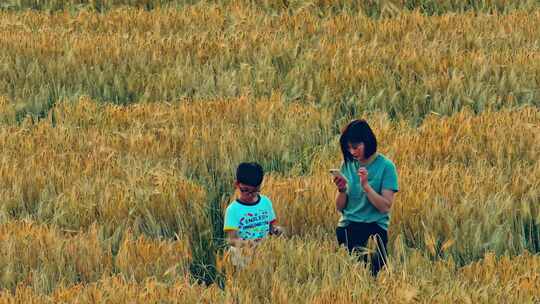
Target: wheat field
(122,122)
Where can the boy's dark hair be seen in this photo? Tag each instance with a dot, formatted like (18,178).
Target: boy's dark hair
(250,174)
(357,131)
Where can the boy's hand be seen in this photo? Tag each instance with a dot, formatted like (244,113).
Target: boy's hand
(252,243)
(277,230)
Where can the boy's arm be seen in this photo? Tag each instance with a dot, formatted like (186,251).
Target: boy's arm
(235,241)
(274,229)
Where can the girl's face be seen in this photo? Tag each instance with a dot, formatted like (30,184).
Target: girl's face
(357,150)
(248,194)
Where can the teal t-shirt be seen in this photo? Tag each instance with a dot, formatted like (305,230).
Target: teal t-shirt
(252,221)
(382,174)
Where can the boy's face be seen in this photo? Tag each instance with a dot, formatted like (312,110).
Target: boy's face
(248,194)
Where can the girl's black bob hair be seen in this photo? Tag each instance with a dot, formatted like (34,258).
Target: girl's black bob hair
(357,131)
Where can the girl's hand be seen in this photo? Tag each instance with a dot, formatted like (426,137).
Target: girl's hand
(363,175)
(341,183)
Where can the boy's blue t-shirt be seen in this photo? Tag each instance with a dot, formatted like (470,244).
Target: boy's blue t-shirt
(252,221)
(382,174)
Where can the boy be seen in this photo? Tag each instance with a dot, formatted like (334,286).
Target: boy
(250,218)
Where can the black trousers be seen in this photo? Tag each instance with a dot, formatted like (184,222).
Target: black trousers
(356,236)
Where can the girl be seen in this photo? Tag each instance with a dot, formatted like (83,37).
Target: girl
(366,188)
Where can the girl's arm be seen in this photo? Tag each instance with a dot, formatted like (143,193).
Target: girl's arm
(341,198)
(383,202)
(341,201)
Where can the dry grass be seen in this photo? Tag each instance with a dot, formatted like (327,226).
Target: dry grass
(112,181)
(407,66)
